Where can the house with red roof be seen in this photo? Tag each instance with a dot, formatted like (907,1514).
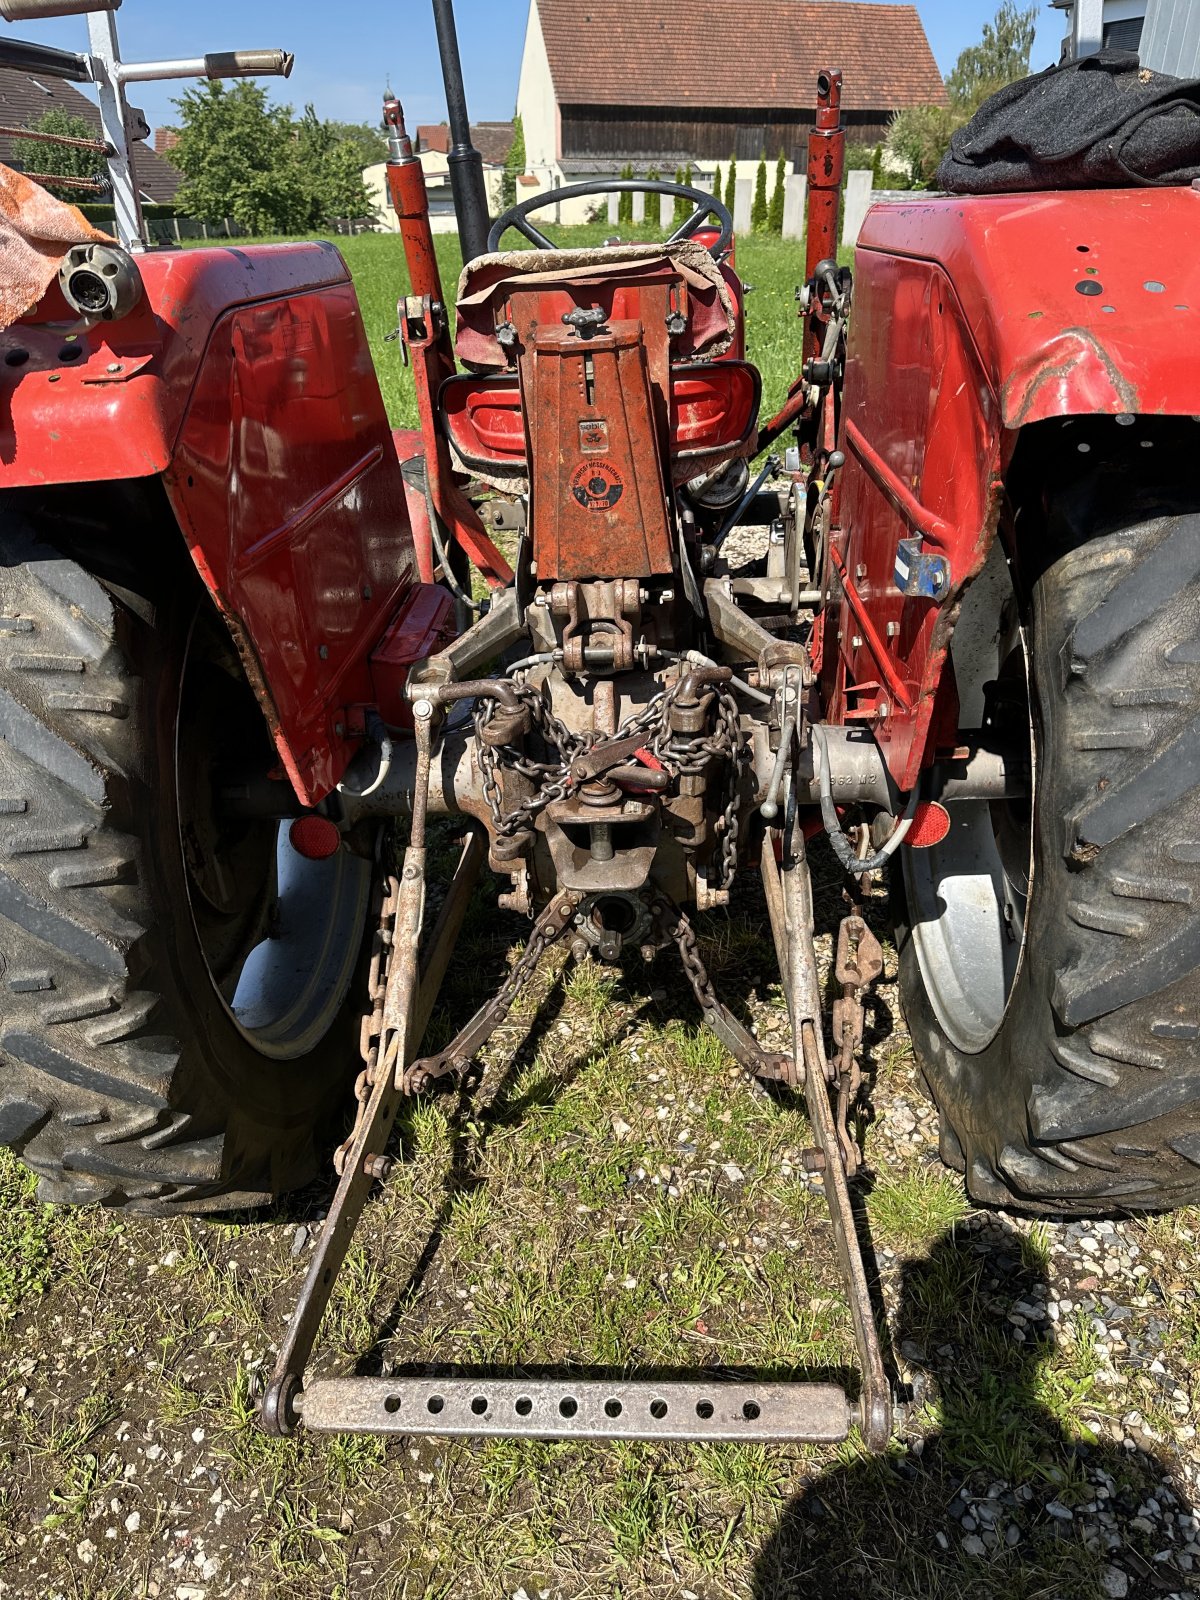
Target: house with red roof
(610,82)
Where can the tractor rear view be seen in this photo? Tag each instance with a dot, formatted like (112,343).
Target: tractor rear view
(950,627)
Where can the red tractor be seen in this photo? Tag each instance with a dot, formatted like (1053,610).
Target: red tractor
(953,630)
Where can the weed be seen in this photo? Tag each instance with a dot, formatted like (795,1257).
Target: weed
(26,1232)
(914,1208)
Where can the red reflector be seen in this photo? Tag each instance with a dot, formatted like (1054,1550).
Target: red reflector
(314,837)
(930,825)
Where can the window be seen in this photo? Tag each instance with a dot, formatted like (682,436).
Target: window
(1123,35)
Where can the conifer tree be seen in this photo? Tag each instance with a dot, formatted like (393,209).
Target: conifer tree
(775,210)
(758,210)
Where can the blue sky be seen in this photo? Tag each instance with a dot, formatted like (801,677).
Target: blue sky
(346,50)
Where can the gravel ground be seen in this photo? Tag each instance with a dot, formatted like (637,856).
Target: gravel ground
(1048,1447)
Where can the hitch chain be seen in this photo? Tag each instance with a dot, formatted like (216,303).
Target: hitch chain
(549,928)
(858,963)
(371,1035)
(554,781)
(775,1066)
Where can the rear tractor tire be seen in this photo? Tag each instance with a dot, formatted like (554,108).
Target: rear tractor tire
(1050,950)
(179,1000)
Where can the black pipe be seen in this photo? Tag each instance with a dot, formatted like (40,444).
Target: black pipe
(44,61)
(465,162)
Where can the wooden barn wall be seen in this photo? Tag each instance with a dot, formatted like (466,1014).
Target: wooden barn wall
(704,135)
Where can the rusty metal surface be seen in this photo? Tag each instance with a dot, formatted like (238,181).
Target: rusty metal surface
(387,1045)
(746,1413)
(789,899)
(597,489)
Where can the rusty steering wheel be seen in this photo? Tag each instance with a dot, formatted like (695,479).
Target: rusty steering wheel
(706,205)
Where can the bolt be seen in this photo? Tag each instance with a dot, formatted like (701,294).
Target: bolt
(856,642)
(367,591)
(580,949)
(648,953)
(113,366)
(323,652)
(860,570)
(340,729)
(812,1160)
(893,628)
(422,709)
(378,1167)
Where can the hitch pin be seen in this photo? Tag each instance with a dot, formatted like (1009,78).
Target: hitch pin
(769,809)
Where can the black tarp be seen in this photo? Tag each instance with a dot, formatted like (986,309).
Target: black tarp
(1103,122)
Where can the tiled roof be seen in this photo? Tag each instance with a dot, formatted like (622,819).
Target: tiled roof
(737,54)
(25,99)
(491,139)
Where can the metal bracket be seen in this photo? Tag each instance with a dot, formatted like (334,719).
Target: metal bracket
(917,574)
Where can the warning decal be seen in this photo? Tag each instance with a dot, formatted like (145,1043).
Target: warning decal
(597,485)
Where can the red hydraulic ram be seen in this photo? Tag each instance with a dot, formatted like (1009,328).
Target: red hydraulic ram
(406,185)
(826,168)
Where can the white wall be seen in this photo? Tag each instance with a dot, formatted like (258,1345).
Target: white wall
(536,103)
(437,183)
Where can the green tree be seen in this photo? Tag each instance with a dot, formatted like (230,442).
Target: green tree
(61,161)
(683,208)
(920,138)
(717,188)
(877,168)
(1000,57)
(758,210)
(514,164)
(625,203)
(775,210)
(371,144)
(246,159)
(341,191)
(329,170)
(239,160)
(731,185)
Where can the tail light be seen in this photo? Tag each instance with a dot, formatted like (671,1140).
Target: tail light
(714,406)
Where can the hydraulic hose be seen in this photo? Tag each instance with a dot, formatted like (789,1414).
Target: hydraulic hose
(842,846)
(379,734)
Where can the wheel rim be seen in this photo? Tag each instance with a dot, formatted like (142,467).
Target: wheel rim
(279,934)
(968,896)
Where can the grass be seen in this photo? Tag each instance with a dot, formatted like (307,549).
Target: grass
(615,1197)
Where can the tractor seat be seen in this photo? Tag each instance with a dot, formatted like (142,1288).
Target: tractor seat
(673,299)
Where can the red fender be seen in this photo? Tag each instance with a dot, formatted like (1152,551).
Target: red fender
(974,318)
(245,380)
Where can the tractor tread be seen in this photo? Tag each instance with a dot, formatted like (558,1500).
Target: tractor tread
(106,1087)
(1094,1095)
